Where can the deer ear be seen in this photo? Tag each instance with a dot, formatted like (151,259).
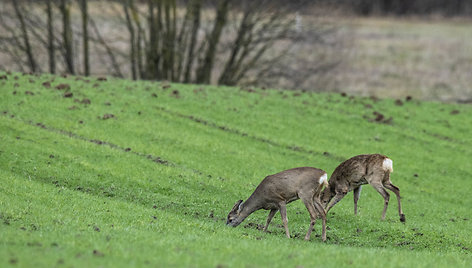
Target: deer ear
(237,205)
(240,206)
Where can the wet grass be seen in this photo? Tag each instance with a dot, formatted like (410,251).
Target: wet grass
(106,172)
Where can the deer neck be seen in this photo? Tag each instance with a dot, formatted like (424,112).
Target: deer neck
(328,193)
(249,206)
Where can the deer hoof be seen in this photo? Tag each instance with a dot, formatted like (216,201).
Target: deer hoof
(402,218)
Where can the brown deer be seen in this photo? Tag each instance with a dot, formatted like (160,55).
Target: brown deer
(277,190)
(373,169)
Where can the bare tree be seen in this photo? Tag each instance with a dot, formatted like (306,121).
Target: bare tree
(51,48)
(153,57)
(24,32)
(67,35)
(85,36)
(109,51)
(261,25)
(204,70)
(194,11)
(235,42)
(132,39)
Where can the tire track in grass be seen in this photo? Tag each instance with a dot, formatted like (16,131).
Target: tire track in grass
(451,142)
(294,148)
(156,159)
(99,189)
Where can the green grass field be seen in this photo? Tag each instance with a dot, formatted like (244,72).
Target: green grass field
(120,174)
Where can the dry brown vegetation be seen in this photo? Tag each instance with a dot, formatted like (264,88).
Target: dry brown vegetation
(425,58)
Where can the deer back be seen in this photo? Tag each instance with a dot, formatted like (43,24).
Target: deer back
(287,184)
(354,171)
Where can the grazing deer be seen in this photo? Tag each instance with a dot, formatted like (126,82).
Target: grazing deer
(373,169)
(277,190)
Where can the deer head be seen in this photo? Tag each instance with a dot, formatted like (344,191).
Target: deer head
(326,196)
(234,216)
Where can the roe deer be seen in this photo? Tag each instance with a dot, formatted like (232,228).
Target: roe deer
(373,169)
(277,190)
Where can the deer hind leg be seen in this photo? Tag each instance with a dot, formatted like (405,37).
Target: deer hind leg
(357,194)
(396,190)
(269,218)
(379,188)
(309,201)
(311,209)
(283,214)
(319,208)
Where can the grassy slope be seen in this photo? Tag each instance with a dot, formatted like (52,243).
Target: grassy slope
(71,193)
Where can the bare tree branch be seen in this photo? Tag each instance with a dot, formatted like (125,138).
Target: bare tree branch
(27,46)
(115,66)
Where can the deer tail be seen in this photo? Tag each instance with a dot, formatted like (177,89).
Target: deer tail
(387,165)
(324,180)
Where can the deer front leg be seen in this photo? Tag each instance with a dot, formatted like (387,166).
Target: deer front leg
(283,214)
(311,209)
(357,194)
(396,190)
(379,188)
(335,200)
(269,218)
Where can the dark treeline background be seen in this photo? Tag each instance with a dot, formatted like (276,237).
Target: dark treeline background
(410,7)
(397,7)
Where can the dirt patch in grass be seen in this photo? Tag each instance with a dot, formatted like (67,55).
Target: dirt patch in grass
(378,117)
(175,93)
(399,102)
(46,84)
(63,86)
(252,225)
(98,253)
(108,116)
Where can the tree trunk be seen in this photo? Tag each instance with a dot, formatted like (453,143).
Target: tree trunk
(167,42)
(109,51)
(204,71)
(196,7)
(181,43)
(83,8)
(129,23)
(24,32)
(245,28)
(67,35)
(153,57)
(139,39)
(51,48)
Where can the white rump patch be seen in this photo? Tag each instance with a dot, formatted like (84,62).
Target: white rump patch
(388,165)
(324,179)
